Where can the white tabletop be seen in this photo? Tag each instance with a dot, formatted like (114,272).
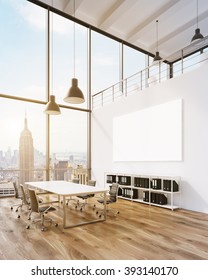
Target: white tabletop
(65,188)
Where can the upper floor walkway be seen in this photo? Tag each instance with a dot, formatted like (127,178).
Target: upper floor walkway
(177,64)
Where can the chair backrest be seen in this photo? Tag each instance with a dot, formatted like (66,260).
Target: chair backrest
(75,180)
(16,191)
(113,192)
(24,197)
(92,183)
(33,201)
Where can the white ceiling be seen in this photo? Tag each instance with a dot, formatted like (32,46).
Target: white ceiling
(134,21)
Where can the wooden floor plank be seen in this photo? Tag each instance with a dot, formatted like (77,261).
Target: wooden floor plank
(139,232)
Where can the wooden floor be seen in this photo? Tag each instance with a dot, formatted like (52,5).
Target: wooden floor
(139,232)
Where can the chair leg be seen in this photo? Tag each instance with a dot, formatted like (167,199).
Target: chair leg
(80,205)
(42,222)
(41,219)
(101,213)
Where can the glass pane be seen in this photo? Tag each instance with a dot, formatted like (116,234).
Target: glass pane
(105,62)
(134,61)
(22,142)
(177,68)
(191,62)
(68,145)
(22,49)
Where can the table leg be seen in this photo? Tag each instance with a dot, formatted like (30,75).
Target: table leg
(65,226)
(64,209)
(104,205)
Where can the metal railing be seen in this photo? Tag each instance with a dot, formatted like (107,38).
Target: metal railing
(183,61)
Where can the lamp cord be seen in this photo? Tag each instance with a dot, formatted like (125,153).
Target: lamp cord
(74,40)
(197,13)
(157,33)
(52,51)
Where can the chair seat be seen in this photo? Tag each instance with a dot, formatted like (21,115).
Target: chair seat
(46,209)
(108,201)
(84,196)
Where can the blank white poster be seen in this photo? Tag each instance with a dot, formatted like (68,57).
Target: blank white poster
(151,134)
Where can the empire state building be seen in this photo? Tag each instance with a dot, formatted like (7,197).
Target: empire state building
(26,155)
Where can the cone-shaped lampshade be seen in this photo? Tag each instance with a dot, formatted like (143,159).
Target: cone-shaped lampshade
(197,35)
(157,57)
(52,108)
(74,94)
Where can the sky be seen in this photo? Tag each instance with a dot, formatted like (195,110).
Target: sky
(23,73)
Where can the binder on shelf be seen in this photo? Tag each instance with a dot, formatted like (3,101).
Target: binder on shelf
(153,197)
(146,196)
(124,180)
(162,199)
(111,178)
(167,185)
(175,186)
(156,184)
(136,182)
(159,198)
(119,191)
(135,194)
(126,192)
(146,183)
(140,182)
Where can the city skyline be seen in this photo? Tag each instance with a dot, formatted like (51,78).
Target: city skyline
(26,155)
(27,164)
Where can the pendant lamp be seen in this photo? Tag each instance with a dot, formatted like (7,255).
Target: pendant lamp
(74,94)
(52,108)
(157,55)
(197,35)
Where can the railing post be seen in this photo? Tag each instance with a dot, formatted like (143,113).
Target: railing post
(102,98)
(182,62)
(159,70)
(125,87)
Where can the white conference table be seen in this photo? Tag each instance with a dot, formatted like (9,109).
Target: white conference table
(66,189)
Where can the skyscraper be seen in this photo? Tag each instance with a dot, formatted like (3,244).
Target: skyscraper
(26,155)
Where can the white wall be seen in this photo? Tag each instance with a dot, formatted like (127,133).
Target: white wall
(192,87)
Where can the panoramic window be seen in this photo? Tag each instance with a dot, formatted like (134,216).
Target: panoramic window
(68,135)
(23,49)
(134,61)
(105,62)
(22,144)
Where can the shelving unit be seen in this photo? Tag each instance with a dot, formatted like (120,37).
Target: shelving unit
(152,190)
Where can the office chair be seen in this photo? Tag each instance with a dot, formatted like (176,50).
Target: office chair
(76,181)
(41,210)
(110,199)
(85,197)
(24,199)
(17,196)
